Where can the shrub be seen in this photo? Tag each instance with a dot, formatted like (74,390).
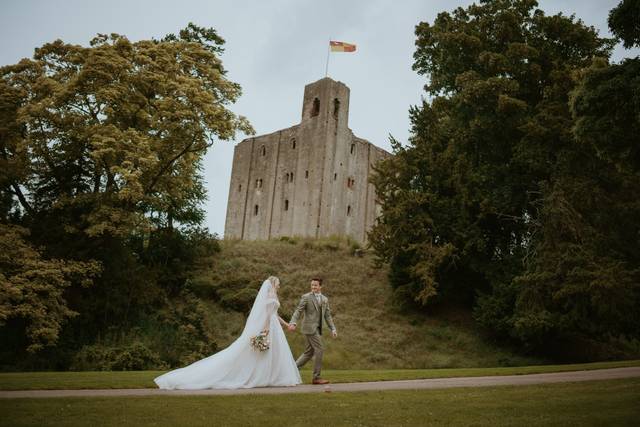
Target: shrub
(133,357)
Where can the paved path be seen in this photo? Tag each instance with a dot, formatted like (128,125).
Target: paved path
(559,377)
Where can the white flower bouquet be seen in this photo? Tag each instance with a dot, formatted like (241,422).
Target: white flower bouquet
(261,341)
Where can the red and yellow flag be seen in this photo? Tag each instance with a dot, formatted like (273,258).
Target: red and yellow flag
(342,46)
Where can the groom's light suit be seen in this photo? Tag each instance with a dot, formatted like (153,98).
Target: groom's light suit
(315,311)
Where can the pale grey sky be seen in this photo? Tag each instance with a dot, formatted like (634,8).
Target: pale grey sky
(273,49)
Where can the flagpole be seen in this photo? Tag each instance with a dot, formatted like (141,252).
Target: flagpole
(326,69)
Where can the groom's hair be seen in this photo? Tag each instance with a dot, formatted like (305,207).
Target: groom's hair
(317,280)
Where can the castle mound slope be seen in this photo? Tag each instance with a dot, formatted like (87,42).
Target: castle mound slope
(374,332)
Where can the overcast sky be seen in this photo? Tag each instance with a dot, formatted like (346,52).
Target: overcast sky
(273,49)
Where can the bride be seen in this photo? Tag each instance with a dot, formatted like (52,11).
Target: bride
(240,365)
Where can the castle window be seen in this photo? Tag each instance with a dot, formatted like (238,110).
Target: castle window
(291,177)
(336,108)
(286,205)
(335,176)
(316,107)
(240,187)
(350,182)
(353,148)
(255,210)
(306,174)
(293,144)
(286,177)
(348,210)
(264,150)
(260,183)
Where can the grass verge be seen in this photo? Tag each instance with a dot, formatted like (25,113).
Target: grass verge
(614,402)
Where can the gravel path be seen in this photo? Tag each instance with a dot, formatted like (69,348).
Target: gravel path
(600,374)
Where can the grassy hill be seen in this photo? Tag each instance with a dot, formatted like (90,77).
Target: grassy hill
(374,332)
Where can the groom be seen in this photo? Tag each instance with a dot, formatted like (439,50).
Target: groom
(315,308)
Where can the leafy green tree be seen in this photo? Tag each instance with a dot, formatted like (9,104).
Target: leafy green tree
(584,284)
(31,288)
(516,182)
(109,138)
(624,22)
(101,150)
(459,201)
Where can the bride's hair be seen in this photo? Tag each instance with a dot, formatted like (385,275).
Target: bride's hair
(275,282)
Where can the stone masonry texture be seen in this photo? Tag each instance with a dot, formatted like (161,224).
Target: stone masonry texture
(309,180)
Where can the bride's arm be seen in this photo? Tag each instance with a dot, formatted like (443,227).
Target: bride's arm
(272,308)
(283,322)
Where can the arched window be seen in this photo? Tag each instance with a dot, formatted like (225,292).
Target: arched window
(293,144)
(348,210)
(353,148)
(264,150)
(291,177)
(286,177)
(240,187)
(335,176)
(316,107)
(336,108)
(286,205)
(255,210)
(306,174)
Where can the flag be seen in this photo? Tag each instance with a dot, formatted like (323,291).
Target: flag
(342,46)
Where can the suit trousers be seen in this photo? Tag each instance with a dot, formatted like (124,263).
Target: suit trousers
(314,349)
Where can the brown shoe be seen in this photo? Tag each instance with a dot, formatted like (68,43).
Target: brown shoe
(319,381)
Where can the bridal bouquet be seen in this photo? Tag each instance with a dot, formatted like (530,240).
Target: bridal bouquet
(261,341)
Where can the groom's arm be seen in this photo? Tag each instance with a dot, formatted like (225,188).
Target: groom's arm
(301,305)
(329,320)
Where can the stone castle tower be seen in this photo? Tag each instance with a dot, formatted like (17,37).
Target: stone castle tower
(307,180)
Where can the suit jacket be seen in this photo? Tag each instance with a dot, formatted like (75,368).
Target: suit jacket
(313,314)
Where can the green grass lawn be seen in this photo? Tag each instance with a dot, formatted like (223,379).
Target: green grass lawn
(614,402)
(144,379)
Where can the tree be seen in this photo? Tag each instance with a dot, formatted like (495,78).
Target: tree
(101,150)
(459,201)
(31,288)
(515,187)
(584,284)
(624,22)
(113,134)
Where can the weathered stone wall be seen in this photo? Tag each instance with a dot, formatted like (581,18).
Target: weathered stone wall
(308,180)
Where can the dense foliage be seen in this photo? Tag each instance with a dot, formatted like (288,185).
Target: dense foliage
(101,153)
(517,193)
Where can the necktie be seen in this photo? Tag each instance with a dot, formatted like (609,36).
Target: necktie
(320,307)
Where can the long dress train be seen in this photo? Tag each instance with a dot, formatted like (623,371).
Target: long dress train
(240,365)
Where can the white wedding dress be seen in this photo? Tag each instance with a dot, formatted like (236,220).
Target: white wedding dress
(240,365)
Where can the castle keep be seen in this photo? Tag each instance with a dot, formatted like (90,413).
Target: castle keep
(311,179)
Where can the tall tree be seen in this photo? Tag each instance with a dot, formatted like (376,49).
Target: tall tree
(624,22)
(584,285)
(515,183)
(113,134)
(458,202)
(101,150)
